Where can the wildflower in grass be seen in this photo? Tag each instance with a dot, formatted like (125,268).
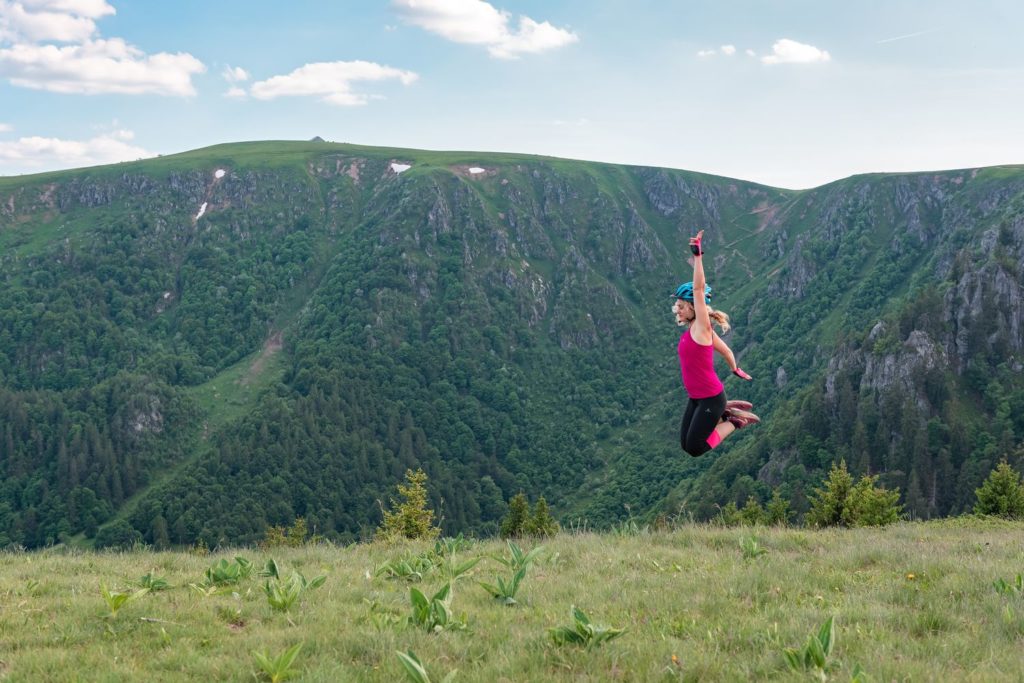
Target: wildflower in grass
(278,668)
(226,573)
(282,595)
(583,632)
(435,614)
(814,655)
(751,549)
(117,599)
(153,583)
(415,671)
(1003,587)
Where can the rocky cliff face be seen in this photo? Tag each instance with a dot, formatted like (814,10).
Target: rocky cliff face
(923,276)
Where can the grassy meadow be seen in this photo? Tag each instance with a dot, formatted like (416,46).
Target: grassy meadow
(911,602)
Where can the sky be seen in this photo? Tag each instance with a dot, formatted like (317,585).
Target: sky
(789,93)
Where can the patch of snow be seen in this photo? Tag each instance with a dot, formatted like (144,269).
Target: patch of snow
(202,210)
(167,295)
(476,169)
(220,173)
(398,168)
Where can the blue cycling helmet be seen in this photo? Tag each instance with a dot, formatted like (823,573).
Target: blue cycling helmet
(685,292)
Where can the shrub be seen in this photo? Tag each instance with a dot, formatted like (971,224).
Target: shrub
(752,513)
(541,522)
(117,534)
(777,512)
(1001,494)
(289,537)
(868,505)
(841,503)
(728,515)
(519,521)
(517,518)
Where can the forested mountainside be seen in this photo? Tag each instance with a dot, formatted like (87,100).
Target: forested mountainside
(202,345)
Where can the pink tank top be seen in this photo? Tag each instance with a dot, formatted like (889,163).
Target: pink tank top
(698,367)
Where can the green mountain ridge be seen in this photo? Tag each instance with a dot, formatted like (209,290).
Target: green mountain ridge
(506,328)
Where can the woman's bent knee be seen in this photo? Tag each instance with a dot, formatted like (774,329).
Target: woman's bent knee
(696,450)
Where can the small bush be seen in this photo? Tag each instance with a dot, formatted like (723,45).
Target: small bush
(752,514)
(728,515)
(289,537)
(777,512)
(117,534)
(541,522)
(519,522)
(517,518)
(842,503)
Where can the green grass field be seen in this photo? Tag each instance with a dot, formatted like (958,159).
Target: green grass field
(912,602)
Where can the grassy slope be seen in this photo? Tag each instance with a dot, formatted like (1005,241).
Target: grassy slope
(912,602)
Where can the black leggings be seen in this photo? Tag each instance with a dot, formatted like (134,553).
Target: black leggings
(700,419)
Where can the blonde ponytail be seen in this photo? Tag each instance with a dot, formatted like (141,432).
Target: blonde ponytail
(720,318)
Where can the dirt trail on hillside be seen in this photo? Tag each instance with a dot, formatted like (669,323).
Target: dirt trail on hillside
(270,347)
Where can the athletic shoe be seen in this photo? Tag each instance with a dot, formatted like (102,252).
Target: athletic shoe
(742,418)
(736,403)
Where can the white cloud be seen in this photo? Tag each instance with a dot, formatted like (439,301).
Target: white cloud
(99,66)
(234,74)
(39,152)
(88,65)
(751,53)
(6,128)
(476,22)
(84,8)
(786,51)
(236,92)
(727,50)
(330,81)
(38,23)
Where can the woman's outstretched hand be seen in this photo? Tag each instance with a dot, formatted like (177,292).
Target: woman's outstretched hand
(695,244)
(739,372)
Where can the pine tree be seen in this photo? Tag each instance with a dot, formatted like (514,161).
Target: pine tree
(870,505)
(777,512)
(752,513)
(841,503)
(542,523)
(1001,494)
(411,518)
(161,537)
(827,503)
(516,520)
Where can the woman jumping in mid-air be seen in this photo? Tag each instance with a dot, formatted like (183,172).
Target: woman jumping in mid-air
(709,418)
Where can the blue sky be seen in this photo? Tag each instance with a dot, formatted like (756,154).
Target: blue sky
(788,93)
